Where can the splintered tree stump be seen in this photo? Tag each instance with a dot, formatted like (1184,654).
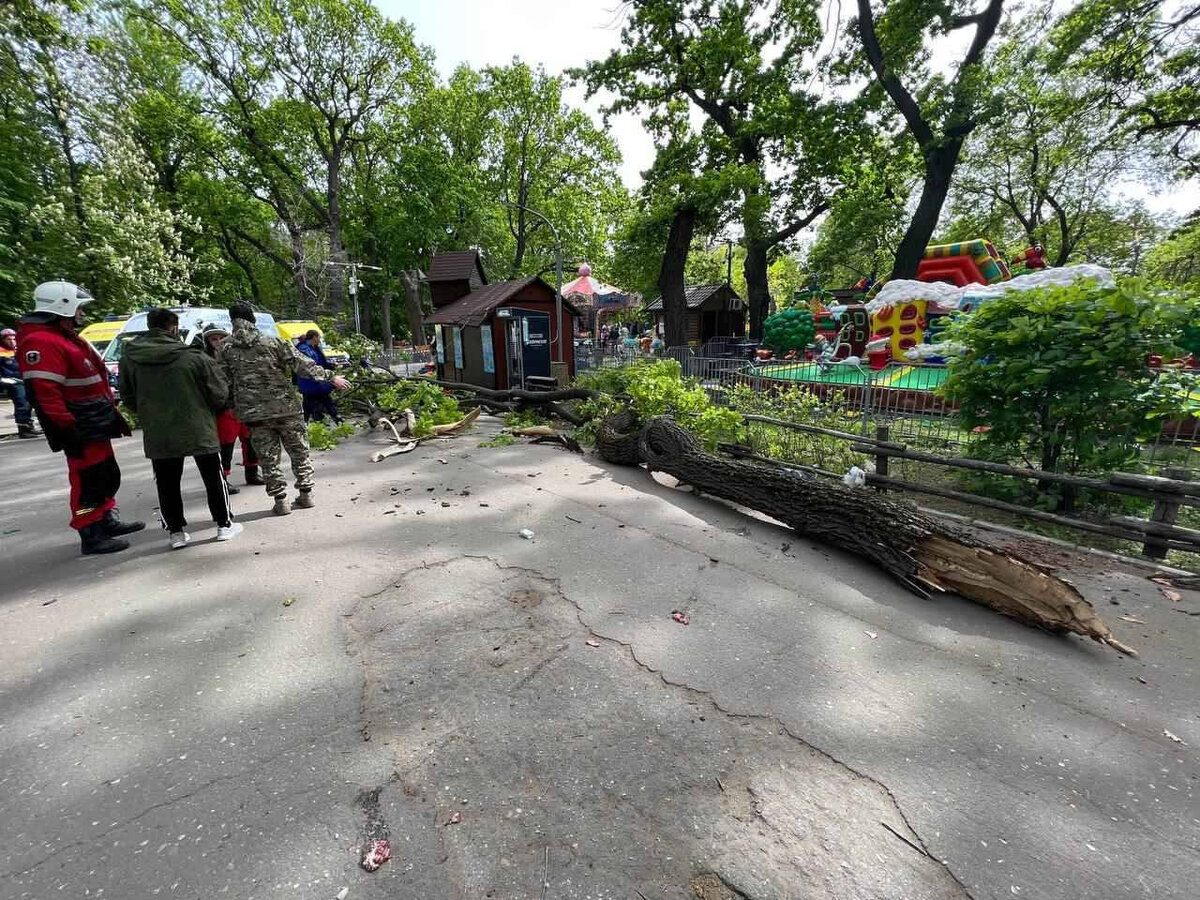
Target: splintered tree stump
(618,439)
(920,552)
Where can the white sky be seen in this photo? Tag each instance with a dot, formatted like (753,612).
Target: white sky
(560,34)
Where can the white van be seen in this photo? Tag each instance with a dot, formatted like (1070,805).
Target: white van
(192,320)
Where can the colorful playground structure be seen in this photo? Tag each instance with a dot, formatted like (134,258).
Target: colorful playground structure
(902,322)
(880,330)
(970,262)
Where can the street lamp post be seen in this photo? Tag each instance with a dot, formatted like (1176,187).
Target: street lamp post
(562,357)
(353,286)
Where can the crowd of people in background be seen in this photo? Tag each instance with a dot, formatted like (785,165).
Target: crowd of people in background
(190,401)
(620,338)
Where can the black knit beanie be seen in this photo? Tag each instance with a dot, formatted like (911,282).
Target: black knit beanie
(242,310)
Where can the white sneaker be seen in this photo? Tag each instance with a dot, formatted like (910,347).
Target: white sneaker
(229,532)
(180,539)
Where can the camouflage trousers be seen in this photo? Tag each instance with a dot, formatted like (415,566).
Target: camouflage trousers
(272,436)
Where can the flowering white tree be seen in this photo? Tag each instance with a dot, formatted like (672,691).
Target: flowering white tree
(138,249)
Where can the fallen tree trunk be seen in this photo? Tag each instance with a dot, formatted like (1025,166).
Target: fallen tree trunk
(921,553)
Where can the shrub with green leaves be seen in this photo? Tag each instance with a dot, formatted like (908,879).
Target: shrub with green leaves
(792,329)
(429,403)
(322,437)
(605,380)
(794,404)
(656,389)
(1058,378)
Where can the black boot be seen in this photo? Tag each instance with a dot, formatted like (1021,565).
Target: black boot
(114,527)
(95,539)
(232,488)
(252,476)
(27,430)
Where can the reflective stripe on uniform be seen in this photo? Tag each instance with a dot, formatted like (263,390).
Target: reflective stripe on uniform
(63,380)
(48,376)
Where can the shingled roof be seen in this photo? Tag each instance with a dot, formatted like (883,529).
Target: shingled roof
(696,295)
(475,308)
(457,265)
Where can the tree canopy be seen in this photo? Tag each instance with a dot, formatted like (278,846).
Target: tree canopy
(168,151)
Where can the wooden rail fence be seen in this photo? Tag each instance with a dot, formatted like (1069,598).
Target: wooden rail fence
(1158,534)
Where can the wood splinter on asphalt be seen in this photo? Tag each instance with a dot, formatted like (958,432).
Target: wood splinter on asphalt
(408,443)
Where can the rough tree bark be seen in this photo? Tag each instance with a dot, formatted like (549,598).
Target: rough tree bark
(412,304)
(939,168)
(758,289)
(671,276)
(757,264)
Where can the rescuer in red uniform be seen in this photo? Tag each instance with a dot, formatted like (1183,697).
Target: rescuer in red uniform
(68,385)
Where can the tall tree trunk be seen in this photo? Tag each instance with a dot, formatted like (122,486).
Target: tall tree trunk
(1066,240)
(671,276)
(519,251)
(308,297)
(939,167)
(758,290)
(412,305)
(337,248)
(373,260)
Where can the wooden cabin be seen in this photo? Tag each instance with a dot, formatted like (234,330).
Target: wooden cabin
(498,335)
(713,310)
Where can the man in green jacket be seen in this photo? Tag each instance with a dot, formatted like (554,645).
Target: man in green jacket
(259,368)
(176,392)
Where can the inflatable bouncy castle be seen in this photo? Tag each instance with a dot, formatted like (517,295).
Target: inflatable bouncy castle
(970,262)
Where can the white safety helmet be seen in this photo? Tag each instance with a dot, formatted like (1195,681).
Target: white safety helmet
(60,297)
(208,329)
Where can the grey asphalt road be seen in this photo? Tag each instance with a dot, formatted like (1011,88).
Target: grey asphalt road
(524,718)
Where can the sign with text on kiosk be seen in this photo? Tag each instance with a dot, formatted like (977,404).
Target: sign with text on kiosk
(489,354)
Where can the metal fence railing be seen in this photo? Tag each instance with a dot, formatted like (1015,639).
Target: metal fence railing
(404,360)
(906,399)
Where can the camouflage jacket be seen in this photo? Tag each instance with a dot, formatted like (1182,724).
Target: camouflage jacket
(259,369)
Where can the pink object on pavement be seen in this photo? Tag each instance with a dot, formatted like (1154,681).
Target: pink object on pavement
(377,854)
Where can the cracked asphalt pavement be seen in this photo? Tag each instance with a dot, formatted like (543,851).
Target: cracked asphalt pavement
(525,718)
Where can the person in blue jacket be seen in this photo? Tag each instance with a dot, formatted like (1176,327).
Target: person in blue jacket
(317,396)
(11,384)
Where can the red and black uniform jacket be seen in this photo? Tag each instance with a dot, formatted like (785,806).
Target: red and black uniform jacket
(68,385)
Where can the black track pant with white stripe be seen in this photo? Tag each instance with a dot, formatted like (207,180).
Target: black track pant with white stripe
(167,475)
